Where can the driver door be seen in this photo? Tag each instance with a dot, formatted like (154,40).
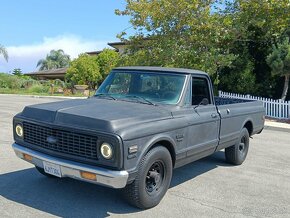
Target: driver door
(203,120)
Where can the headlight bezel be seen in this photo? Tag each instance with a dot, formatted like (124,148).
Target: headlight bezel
(19,129)
(107,147)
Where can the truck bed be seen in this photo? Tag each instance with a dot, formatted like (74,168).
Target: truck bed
(224,101)
(236,113)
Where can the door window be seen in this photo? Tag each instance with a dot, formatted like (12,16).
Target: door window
(200,90)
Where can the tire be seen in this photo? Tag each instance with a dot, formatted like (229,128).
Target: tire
(152,180)
(237,153)
(40,170)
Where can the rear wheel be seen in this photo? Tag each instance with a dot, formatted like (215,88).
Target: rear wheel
(237,153)
(41,170)
(152,180)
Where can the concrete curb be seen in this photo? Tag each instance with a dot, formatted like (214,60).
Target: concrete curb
(280,129)
(276,126)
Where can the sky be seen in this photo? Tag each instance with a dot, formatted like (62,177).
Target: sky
(30,29)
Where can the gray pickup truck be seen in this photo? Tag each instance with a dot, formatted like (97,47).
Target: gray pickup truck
(141,123)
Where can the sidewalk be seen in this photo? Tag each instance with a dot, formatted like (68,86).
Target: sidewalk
(272,125)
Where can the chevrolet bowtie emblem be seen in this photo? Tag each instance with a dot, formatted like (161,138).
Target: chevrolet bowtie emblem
(51,140)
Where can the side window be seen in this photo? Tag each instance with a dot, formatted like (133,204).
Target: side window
(200,90)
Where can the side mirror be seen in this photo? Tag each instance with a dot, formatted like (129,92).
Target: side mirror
(204,101)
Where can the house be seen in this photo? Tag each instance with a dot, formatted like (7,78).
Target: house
(49,74)
(60,73)
(118,46)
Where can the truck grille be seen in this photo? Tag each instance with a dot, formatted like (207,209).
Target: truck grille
(61,141)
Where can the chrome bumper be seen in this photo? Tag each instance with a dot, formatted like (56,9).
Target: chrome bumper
(110,178)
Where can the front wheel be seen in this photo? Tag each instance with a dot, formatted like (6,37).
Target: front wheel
(237,153)
(152,180)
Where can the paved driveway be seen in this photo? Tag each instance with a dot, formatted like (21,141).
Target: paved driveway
(206,188)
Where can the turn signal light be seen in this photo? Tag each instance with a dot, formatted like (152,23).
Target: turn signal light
(27,157)
(89,176)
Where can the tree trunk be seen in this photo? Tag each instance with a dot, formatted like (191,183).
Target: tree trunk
(285,89)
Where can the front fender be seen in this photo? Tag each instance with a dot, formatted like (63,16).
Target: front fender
(131,162)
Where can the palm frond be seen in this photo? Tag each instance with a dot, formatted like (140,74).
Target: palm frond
(4,52)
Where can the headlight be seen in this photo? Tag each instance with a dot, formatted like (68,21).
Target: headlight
(106,150)
(19,130)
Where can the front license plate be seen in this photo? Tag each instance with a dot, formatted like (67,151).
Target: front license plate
(52,169)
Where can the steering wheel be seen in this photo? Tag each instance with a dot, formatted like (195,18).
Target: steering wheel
(168,95)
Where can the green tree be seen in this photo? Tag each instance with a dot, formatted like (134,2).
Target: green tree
(180,33)
(55,59)
(228,39)
(84,70)
(17,72)
(107,60)
(4,52)
(279,61)
(256,25)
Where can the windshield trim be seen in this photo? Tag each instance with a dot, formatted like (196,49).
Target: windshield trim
(183,91)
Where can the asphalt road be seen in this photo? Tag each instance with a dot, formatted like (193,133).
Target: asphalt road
(206,188)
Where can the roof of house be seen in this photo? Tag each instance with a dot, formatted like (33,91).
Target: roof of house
(116,43)
(48,72)
(93,52)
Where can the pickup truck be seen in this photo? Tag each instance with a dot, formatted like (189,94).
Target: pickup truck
(141,123)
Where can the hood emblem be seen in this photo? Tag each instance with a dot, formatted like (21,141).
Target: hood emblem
(51,140)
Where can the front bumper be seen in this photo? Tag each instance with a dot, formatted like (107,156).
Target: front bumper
(110,178)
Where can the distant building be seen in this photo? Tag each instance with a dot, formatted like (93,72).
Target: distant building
(119,46)
(60,73)
(49,74)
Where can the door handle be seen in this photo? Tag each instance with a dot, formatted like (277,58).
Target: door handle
(214,115)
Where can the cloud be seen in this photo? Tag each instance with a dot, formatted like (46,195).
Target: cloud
(26,57)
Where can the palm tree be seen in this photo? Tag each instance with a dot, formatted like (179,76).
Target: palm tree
(55,59)
(4,52)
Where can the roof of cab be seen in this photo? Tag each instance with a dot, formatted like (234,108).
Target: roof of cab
(162,69)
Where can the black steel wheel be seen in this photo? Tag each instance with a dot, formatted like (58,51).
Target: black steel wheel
(152,180)
(237,153)
(155,177)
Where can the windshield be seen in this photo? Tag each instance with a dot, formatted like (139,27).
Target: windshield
(150,86)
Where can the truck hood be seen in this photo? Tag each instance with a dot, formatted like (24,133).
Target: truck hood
(96,114)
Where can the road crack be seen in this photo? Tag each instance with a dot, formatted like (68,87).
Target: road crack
(211,206)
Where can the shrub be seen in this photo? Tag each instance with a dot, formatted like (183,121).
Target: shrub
(15,82)
(37,88)
(84,71)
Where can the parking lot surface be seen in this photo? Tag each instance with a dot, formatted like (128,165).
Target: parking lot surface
(206,188)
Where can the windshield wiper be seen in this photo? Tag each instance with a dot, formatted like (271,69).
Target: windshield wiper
(143,100)
(105,95)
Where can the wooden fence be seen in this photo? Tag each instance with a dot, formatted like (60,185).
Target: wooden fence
(274,108)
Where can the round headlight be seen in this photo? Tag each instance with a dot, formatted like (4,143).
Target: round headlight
(19,130)
(106,150)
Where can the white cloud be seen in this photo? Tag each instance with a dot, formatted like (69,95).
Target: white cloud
(26,57)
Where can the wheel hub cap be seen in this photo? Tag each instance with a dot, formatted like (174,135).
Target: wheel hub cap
(154,177)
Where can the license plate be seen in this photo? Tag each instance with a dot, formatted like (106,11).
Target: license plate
(52,169)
